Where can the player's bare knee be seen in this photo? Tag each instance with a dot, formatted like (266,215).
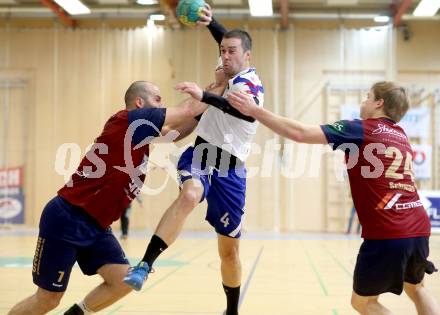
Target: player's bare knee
(118,287)
(372,305)
(113,274)
(189,197)
(48,300)
(122,287)
(230,256)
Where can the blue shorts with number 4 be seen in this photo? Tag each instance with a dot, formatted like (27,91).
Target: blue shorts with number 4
(225,192)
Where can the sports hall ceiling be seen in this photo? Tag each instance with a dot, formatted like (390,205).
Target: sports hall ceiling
(227,9)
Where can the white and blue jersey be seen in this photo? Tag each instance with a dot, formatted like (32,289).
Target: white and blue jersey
(226,131)
(217,159)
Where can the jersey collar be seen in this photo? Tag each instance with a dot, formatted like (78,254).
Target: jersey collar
(247,70)
(387,120)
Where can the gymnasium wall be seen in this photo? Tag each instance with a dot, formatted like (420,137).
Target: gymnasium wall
(76,79)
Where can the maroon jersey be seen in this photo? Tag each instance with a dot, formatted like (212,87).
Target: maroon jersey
(111,174)
(379,163)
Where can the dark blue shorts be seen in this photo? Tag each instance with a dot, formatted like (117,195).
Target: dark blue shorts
(225,192)
(68,235)
(384,265)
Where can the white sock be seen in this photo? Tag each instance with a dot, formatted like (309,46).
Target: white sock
(82,305)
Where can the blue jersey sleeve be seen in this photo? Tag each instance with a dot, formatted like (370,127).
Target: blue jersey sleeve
(147,121)
(344,132)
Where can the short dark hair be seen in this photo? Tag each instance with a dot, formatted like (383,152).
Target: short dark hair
(246,40)
(136,89)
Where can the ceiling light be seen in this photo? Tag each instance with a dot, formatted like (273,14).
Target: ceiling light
(73,7)
(261,7)
(157,17)
(146,2)
(381,19)
(427,8)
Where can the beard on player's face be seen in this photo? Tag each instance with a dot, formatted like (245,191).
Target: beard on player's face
(231,67)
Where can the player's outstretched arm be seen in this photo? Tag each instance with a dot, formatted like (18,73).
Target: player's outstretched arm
(188,127)
(187,109)
(212,99)
(285,127)
(180,121)
(176,133)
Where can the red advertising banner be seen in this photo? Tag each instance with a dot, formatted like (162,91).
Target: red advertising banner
(11,195)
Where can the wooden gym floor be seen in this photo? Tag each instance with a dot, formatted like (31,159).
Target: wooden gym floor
(304,274)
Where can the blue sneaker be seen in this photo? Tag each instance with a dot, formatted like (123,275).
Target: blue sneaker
(137,275)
